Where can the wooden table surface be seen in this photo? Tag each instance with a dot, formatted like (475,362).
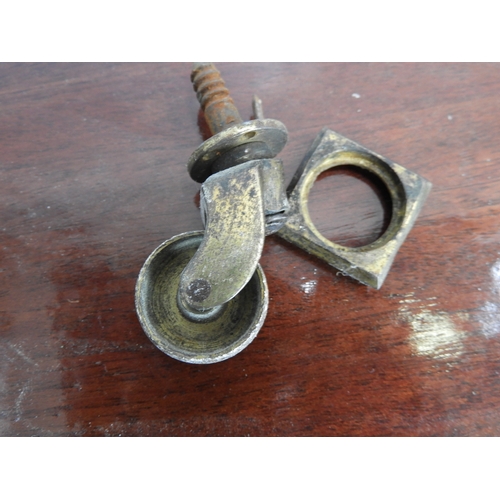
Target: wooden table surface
(93,178)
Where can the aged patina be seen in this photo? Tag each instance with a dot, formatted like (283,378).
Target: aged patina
(202,297)
(408,191)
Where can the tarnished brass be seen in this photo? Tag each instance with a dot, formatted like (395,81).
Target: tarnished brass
(202,297)
(192,336)
(270,133)
(232,205)
(239,206)
(368,264)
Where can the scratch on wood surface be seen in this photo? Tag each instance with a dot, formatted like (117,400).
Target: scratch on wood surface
(21,354)
(19,402)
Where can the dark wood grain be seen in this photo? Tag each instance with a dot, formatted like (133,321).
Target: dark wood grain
(93,178)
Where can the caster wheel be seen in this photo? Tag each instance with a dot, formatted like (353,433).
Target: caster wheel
(192,336)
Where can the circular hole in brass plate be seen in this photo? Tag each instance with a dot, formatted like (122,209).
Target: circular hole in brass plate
(350,206)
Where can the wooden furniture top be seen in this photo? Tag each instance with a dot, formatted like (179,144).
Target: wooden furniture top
(93,178)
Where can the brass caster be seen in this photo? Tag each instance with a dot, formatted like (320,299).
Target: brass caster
(202,297)
(186,334)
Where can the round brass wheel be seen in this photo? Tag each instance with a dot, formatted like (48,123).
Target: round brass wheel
(187,335)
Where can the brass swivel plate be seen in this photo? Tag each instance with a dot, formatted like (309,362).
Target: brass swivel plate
(272,134)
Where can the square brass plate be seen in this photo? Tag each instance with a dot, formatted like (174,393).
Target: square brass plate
(370,263)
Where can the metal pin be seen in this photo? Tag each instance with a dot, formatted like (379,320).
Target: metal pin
(258,111)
